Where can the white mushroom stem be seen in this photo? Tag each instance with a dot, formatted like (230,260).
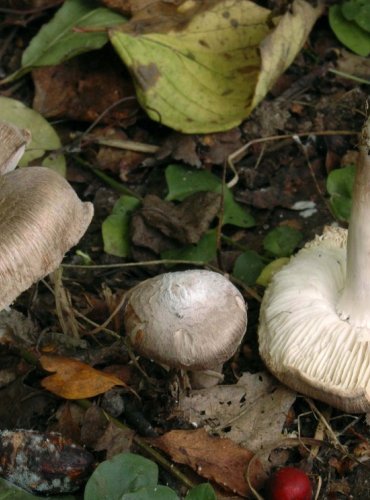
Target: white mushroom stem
(354,303)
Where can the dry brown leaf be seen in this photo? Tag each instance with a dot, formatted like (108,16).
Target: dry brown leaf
(215,458)
(251,413)
(75,380)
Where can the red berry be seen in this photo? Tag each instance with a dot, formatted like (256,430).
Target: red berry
(289,483)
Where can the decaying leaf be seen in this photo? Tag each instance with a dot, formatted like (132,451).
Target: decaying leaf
(186,222)
(83,88)
(44,463)
(75,380)
(208,66)
(215,458)
(251,412)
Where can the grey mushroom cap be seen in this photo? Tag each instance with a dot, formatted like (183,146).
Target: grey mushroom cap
(41,219)
(189,319)
(303,339)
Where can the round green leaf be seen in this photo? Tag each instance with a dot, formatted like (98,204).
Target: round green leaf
(116,227)
(124,473)
(348,32)
(282,241)
(203,251)
(201,492)
(248,267)
(339,185)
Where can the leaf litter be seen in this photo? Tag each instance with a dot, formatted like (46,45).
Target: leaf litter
(256,411)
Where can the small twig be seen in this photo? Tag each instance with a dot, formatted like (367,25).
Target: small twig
(330,433)
(110,317)
(320,431)
(140,147)
(96,325)
(349,76)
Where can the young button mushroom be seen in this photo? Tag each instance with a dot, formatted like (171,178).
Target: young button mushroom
(192,320)
(41,219)
(314,332)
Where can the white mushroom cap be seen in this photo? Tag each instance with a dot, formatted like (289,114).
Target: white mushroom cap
(302,339)
(41,219)
(192,319)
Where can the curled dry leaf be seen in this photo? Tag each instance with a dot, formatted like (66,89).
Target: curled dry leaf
(215,458)
(204,67)
(75,380)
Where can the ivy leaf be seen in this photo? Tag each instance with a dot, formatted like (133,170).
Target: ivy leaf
(203,251)
(248,267)
(124,473)
(182,182)
(116,227)
(349,32)
(282,241)
(357,11)
(339,185)
(201,492)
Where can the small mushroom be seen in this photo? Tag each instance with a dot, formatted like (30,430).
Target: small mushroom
(41,218)
(192,320)
(314,332)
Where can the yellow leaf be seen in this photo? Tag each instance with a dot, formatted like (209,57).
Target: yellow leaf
(212,67)
(75,380)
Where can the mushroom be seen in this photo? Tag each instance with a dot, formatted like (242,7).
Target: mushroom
(192,320)
(41,218)
(314,332)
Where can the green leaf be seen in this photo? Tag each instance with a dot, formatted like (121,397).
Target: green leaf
(124,473)
(282,241)
(201,492)
(152,493)
(348,32)
(270,270)
(64,37)
(182,182)
(44,137)
(203,251)
(116,227)
(339,185)
(208,69)
(358,11)
(248,267)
